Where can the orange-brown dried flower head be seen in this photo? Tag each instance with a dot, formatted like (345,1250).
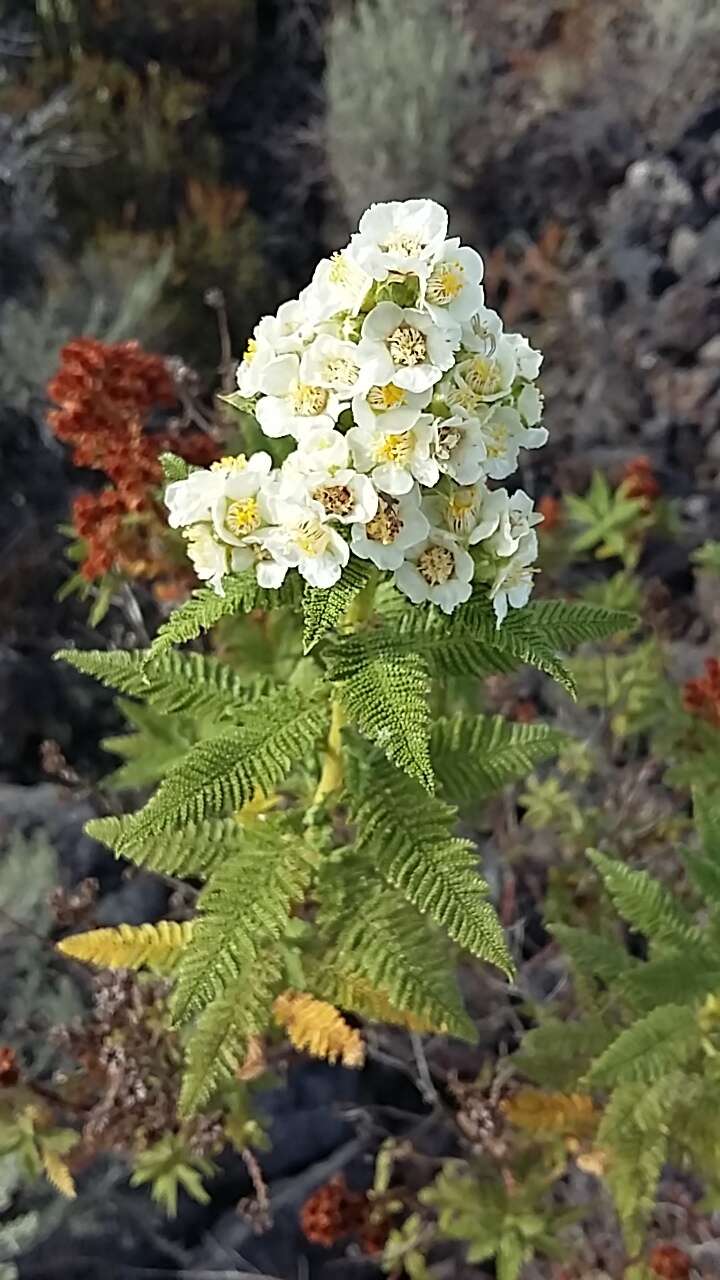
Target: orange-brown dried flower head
(639,480)
(668,1261)
(9,1067)
(333,1212)
(701,697)
(550,508)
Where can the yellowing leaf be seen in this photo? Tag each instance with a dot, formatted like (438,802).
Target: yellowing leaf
(539,1112)
(317,1027)
(362,997)
(58,1173)
(130,946)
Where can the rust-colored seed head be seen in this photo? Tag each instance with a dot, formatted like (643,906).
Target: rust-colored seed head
(701,697)
(668,1261)
(333,1212)
(640,481)
(9,1068)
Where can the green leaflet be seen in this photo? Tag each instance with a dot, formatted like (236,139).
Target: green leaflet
(557,1054)
(664,1039)
(474,756)
(174,468)
(160,741)
(205,608)
(594,955)
(408,837)
(189,682)
(386,696)
(644,903)
(192,850)
(245,905)
(634,1131)
(565,624)
(219,1039)
(324,608)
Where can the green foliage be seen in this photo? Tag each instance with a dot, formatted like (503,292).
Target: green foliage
(324,608)
(169,682)
(385,694)
(708,556)
(205,608)
(174,468)
(158,742)
(610,523)
(169,1166)
(474,756)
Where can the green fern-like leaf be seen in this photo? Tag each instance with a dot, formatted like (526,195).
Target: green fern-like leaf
(173,682)
(407,836)
(219,1040)
(565,624)
(644,903)
(678,978)
(324,607)
(634,1132)
(225,772)
(594,955)
(192,850)
(557,1054)
(385,694)
(244,906)
(205,608)
(160,741)
(646,1051)
(474,756)
(370,932)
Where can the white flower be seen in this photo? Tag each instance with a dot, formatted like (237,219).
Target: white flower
(395,459)
(529,405)
(403,236)
(393,406)
(514,580)
(504,435)
(528,359)
(321,449)
(516,525)
(342,495)
(305,541)
(191,500)
(471,513)
(482,331)
(453,292)
(483,379)
(333,363)
(437,569)
(398,524)
(296,406)
(209,557)
(274,337)
(460,447)
(253,555)
(403,346)
(243,503)
(338,285)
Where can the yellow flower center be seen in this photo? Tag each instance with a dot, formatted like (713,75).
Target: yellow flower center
(483,376)
(404,245)
(496,442)
(386,525)
(250,351)
(229,463)
(445,283)
(461,508)
(463,398)
(243,516)
(312,538)
(407,346)
(342,371)
(395,447)
(341,271)
(308,401)
(381,399)
(436,565)
(336,499)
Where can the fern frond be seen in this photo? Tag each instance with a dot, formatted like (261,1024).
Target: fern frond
(678,978)
(130,946)
(385,694)
(246,904)
(173,467)
(318,1028)
(191,850)
(540,1112)
(644,903)
(407,836)
(225,772)
(324,607)
(593,955)
(706,811)
(159,743)
(370,933)
(653,1046)
(564,624)
(218,1044)
(634,1134)
(473,756)
(174,682)
(58,1173)
(557,1054)
(205,608)
(350,991)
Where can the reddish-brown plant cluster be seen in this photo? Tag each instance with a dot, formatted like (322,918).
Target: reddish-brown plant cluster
(334,1212)
(9,1068)
(105,397)
(550,508)
(701,697)
(639,481)
(668,1261)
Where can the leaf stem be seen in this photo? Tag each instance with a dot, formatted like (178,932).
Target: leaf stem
(331,777)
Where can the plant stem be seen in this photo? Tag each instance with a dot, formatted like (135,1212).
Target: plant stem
(331,777)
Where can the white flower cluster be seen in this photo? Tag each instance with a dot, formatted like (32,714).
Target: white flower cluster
(405,397)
